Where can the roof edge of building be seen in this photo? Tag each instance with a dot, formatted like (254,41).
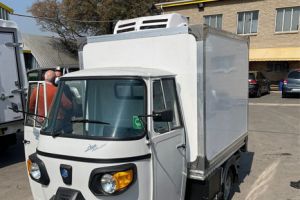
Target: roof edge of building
(181,3)
(7,8)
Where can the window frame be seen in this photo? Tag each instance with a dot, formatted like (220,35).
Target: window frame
(237,22)
(291,21)
(33,122)
(180,118)
(215,15)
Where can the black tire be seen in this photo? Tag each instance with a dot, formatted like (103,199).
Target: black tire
(228,185)
(258,93)
(268,90)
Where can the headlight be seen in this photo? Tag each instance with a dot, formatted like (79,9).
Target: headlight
(34,170)
(37,170)
(112,180)
(108,183)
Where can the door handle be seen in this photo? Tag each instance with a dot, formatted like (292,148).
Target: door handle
(26,142)
(181,146)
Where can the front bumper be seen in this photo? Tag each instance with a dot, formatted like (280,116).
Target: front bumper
(252,89)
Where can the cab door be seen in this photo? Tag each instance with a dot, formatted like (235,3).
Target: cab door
(32,127)
(168,144)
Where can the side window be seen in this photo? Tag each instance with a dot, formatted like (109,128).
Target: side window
(35,104)
(158,105)
(165,98)
(172,101)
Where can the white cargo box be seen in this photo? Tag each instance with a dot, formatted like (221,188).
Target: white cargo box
(13,79)
(211,70)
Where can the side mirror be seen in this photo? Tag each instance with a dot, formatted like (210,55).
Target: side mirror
(163,116)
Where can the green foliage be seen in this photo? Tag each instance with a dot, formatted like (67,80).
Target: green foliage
(71,19)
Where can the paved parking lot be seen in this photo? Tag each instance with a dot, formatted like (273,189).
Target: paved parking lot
(274,150)
(273,160)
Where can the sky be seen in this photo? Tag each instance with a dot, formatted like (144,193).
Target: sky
(26,25)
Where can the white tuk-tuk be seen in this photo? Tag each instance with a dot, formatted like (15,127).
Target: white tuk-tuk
(159,111)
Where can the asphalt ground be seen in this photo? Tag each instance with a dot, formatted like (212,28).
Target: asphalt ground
(272,161)
(273,158)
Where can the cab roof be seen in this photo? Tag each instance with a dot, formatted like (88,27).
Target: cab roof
(120,71)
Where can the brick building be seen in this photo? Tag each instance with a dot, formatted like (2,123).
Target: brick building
(272,25)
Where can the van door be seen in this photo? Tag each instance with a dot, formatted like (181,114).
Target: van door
(10,83)
(168,141)
(32,127)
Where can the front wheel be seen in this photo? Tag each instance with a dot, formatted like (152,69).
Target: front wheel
(258,93)
(268,90)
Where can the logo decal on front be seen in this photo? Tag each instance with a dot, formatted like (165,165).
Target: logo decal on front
(64,173)
(93,147)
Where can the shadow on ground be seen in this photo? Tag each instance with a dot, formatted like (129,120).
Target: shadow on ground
(246,161)
(13,154)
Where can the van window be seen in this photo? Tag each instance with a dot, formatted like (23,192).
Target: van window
(294,75)
(158,105)
(251,76)
(165,98)
(35,108)
(98,108)
(172,101)
(33,76)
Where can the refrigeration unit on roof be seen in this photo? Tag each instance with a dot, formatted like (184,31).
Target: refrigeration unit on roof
(150,23)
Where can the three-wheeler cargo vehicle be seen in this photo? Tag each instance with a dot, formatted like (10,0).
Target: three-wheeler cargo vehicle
(13,82)
(159,111)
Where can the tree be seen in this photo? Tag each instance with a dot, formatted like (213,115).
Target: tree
(71,19)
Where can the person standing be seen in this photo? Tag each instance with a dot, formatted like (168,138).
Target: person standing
(58,74)
(50,93)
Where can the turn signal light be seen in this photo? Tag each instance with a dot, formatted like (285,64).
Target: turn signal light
(123,179)
(29,163)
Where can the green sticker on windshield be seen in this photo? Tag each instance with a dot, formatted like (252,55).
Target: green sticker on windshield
(136,122)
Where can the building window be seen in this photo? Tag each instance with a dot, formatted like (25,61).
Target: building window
(214,21)
(3,14)
(287,19)
(247,22)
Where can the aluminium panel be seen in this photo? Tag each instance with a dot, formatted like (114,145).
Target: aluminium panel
(226,92)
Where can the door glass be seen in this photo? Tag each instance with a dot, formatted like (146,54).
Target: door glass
(158,105)
(171,101)
(36,110)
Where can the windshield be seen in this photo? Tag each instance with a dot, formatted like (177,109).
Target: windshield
(294,75)
(102,108)
(251,76)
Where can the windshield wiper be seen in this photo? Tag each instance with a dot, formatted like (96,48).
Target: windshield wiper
(88,121)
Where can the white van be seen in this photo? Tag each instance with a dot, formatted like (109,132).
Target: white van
(159,111)
(13,82)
